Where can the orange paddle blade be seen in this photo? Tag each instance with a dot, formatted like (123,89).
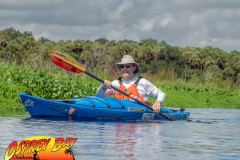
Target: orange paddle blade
(65,61)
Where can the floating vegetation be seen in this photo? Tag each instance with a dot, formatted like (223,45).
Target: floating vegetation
(58,85)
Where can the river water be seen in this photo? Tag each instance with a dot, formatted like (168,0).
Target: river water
(209,134)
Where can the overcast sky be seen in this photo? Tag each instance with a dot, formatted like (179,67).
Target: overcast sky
(194,23)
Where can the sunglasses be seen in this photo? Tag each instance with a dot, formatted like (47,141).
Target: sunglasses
(127,66)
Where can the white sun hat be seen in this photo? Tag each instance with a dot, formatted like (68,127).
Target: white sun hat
(128,59)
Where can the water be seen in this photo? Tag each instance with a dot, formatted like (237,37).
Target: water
(209,134)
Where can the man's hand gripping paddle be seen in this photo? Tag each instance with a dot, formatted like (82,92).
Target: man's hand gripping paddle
(70,64)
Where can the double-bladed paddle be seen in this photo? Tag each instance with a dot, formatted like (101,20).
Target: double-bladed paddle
(68,63)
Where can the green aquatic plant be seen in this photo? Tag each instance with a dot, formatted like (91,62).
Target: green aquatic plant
(15,80)
(180,94)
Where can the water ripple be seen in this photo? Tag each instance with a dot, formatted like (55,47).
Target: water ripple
(208,134)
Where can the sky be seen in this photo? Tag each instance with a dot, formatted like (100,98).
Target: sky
(193,23)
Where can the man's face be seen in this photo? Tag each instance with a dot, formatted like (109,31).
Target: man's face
(127,69)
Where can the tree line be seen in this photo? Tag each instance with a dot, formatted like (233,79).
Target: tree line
(204,63)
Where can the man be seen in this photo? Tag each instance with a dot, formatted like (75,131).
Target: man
(139,87)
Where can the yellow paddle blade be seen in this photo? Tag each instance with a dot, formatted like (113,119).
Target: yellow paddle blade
(66,61)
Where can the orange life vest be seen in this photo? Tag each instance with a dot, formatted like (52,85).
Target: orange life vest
(132,90)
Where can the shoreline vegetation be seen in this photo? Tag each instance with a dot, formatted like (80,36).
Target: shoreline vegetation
(191,77)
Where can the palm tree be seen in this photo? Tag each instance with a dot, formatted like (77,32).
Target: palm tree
(60,42)
(49,45)
(217,73)
(238,78)
(147,49)
(68,41)
(137,54)
(235,52)
(186,72)
(228,72)
(115,55)
(157,50)
(88,47)
(188,53)
(147,53)
(19,40)
(12,51)
(69,151)
(85,57)
(111,43)
(98,52)
(131,42)
(208,50)
(223,57)
(1,53)
(4,40)
(236,68)
(102,40)
(29,42)
(63,46)
(208,61)
(199,51)
(77,46)
(124,48)
(45,52)
(195,60)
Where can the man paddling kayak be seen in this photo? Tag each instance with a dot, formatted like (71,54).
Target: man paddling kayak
(138,87)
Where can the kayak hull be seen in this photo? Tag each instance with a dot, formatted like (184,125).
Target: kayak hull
(96,107)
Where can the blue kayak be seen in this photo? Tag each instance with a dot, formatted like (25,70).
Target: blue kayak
(96,107)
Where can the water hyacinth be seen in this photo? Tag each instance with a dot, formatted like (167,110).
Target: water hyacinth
(15,80)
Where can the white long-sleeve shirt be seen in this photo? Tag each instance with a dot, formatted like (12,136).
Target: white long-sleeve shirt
(144,87)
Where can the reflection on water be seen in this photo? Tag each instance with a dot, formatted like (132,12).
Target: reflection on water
(209,134)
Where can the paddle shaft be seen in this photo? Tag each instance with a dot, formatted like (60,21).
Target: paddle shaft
(91,75)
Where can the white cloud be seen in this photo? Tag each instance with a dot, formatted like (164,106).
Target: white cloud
(43,34)
(168,18)
(197,19)
(214,40)
(203,43)
(145,24)
(113,34)
(178,22)
(228,44)
(117,14)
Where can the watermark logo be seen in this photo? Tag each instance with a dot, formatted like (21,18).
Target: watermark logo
(71,110)
(136,109)
(60,53)
(41,148)
(29,102)
(148,116)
